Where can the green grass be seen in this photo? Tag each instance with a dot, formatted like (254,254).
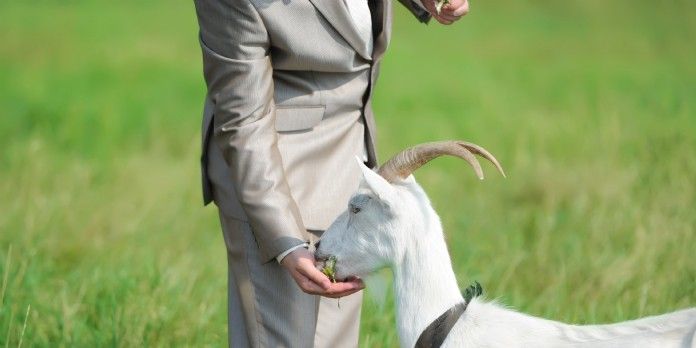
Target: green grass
(590,106)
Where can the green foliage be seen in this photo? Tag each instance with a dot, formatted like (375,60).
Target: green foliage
(330,268)
(589,106)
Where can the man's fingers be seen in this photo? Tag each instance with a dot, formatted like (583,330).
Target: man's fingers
(341,294)
(456,11)
(452,11)
(307,285)
(462,10)
(449,18)
(353,285)
(334,290)
(443,20)
(449,13)
(345,288)
(315,276)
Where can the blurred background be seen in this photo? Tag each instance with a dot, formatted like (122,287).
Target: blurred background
(589,105)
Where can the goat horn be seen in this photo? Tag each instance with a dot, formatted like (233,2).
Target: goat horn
(407,161)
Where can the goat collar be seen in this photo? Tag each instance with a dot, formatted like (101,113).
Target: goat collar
(434,335)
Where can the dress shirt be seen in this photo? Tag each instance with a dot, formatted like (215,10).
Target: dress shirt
(285,253)
(360,13)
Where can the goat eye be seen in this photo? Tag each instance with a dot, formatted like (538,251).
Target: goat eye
(354,209)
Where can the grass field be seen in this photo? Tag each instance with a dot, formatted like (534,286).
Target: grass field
(590,106)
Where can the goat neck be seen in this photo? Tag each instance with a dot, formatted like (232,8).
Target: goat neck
(424,282)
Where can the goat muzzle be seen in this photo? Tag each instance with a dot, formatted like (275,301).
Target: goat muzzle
(407,161)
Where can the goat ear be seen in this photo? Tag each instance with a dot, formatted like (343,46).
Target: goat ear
(376,183)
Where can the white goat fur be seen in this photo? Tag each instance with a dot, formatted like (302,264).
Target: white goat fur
(395,226)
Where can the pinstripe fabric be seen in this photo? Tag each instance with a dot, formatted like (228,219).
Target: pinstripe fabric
(288,109)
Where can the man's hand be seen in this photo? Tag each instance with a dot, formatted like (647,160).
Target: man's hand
(450,12)
(300,264)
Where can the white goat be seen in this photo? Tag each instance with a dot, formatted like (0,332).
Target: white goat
(390,223)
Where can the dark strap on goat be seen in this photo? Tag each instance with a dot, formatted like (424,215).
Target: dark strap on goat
(437,331)
(434,335)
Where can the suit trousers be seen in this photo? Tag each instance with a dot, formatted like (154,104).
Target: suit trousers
(266,308)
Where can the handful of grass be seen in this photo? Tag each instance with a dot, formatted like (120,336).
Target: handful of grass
(439,4)
(330,268)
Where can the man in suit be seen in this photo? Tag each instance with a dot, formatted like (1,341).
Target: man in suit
(290,85)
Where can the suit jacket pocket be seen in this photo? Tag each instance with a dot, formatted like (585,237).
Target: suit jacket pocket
(298,118)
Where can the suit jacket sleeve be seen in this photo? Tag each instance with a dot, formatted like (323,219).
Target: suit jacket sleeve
(239,77)
(417,10)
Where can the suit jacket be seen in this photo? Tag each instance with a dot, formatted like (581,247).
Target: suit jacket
(287,110)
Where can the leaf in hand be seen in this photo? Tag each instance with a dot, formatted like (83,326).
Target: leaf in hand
(439,4)
(330,268)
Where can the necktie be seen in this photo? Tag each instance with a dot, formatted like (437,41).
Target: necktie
(360,13)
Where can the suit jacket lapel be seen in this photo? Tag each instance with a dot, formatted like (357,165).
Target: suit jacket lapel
(336,13)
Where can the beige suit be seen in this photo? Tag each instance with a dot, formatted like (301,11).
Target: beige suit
(288,109)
